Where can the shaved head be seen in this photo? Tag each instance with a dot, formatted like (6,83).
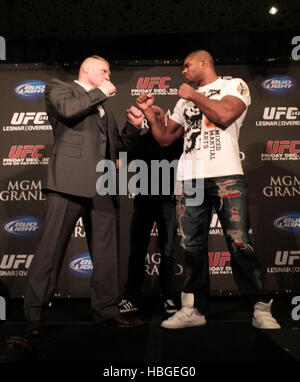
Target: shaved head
(202,55)
(90,61)
(94,71)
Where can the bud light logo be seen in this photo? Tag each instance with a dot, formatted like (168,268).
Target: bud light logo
(31,89)
(22,227)
(289,222)
(81,265)
(278,84)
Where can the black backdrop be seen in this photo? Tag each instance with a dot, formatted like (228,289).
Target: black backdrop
(270,150)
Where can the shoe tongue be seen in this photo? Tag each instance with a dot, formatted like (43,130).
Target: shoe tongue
(263,307)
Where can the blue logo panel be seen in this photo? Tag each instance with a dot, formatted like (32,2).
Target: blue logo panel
(81,265)
(31,89)
(288,222)
(22,227)
(278,85)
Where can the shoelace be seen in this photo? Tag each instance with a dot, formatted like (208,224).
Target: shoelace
(184,313)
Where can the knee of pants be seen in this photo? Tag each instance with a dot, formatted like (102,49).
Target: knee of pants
(238,241)
(194,247)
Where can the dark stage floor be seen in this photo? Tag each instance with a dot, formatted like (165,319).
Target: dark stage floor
(227,337)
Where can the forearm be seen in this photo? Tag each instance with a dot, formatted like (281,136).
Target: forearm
(158,130)
(215,110)
(68,106)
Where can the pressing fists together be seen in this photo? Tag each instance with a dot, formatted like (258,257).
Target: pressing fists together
(135,116)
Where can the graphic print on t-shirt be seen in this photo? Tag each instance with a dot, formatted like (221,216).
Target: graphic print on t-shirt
(193,118)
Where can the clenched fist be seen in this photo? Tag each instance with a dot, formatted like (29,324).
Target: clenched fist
(109,87)
(135,116)
(186,91)
(145,101)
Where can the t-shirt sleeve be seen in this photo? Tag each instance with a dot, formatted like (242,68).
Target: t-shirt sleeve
(238,88)
(177,115)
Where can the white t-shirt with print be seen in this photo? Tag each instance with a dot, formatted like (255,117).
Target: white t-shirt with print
(208,150)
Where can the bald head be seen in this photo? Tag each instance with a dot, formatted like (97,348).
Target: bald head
(202,55)
(91,61)
(93,71)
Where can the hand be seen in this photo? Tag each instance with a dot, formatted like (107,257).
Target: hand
(186,91)
(109,87)
(145,101)
(135,116)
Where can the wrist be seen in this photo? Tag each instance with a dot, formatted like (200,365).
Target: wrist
(104,91)
(192,95)
(136,125)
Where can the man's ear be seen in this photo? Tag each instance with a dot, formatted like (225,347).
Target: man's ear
(86,68)
(204,64)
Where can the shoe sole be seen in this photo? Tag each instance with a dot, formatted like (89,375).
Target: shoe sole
(165,325)
(130,326)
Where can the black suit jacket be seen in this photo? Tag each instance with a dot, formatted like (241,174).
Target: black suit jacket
(81,137)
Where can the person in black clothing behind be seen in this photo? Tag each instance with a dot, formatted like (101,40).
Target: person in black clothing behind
(147,210)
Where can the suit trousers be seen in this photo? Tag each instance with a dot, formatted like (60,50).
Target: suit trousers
(100,222)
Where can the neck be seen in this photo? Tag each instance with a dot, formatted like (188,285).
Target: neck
(209,78)
(84,80)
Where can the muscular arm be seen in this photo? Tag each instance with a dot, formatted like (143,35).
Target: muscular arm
(165,135)
(223,112)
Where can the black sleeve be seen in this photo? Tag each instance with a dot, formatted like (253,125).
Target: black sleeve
(60,99)
(128,140)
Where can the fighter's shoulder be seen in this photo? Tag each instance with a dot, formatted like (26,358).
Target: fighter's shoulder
(237,85)
(234,82)
(55,82)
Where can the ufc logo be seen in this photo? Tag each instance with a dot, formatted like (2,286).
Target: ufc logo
(24,118)
(286,257)
(280,111)
(15,261)
(280,146)
(150,82)
(218,259)
(24,151)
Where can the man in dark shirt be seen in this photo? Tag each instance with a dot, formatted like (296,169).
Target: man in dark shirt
(147,210)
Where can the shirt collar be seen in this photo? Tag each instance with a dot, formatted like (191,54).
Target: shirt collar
(84,85)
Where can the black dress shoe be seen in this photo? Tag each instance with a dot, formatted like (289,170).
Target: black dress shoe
(121,322)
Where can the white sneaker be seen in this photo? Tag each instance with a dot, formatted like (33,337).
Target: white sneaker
(262,316)
(185,317)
